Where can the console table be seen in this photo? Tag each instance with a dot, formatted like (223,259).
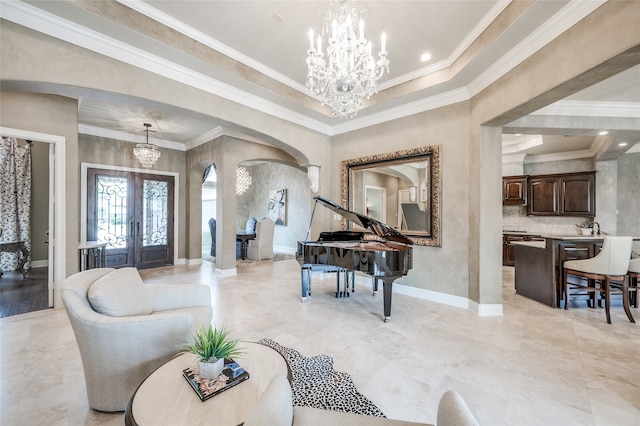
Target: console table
(92,254)
(165,397)
(14,247)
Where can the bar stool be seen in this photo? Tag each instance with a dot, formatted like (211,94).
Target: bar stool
(634,273)
(604,273)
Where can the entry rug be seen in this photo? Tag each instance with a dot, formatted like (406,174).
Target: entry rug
(316,384)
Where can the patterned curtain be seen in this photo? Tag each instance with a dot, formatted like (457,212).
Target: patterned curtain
(15,198)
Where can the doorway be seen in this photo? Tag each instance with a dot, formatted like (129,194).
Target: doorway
(133,213)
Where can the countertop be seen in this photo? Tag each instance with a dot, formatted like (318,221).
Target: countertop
(580,237)
(535,244)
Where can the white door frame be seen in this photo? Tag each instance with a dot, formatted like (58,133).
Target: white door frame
(382,200)
(57,202)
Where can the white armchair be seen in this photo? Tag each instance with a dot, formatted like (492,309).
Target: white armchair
(126,329)
(262,246)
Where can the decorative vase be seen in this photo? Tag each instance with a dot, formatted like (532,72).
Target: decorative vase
(211,370)
(586,231)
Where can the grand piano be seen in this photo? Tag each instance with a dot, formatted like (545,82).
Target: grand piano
(385,255)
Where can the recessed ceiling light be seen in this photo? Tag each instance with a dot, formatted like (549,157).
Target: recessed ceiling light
(623,144)
(425,57)
(518,134)
(603,132)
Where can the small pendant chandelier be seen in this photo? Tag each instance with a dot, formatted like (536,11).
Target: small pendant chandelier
(349,72)
(147,154)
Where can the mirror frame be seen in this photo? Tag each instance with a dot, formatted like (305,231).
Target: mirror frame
(430,154)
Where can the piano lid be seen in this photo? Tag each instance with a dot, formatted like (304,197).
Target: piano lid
(382,230)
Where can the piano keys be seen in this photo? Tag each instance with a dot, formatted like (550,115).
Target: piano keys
(385,254)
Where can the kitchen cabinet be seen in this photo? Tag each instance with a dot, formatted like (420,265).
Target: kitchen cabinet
(571,194)
(508,248)
(514,190)
(544,196)
(539,270)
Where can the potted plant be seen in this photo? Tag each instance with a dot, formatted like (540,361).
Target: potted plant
(586,227)
(212,345)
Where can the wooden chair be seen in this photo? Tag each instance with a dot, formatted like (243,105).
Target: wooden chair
(634,273)
(605,273)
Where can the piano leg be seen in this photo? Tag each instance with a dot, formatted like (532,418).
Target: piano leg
(306,282)
(374,285)
(387,290)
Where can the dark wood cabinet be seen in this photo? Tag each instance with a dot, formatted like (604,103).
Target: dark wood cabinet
(509,249)
(539,271)
(578,194)
(514,190)
(571,194)
(544,195)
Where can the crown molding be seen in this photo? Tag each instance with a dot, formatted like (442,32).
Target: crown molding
(559,156)
(568,16)
(169,21)
(410,108)
(513,158)
(591,109)
(204,138)
(46,23)
(460,49)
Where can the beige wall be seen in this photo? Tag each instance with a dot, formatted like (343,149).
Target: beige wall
(442,269)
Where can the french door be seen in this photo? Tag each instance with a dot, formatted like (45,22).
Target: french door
(133,214)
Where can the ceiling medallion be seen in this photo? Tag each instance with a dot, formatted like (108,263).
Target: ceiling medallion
(349,73)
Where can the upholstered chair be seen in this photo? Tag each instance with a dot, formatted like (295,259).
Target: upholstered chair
(275,408)
(126,329)
(250,228)
(262,246)
(634,273)
(605,273)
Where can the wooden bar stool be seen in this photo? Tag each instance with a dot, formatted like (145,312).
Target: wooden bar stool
(634,273)
(605,273)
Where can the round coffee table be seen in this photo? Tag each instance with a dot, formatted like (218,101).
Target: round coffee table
(166,398)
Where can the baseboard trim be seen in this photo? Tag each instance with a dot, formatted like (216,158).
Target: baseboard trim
(39,263)
(486,309)
(226,272)
(482,309)
(284,250)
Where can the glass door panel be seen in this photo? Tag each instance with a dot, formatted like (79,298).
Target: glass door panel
(154,213)
(154,242)
(111,211)
(133,214)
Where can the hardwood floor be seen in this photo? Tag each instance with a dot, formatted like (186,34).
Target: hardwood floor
(20,295)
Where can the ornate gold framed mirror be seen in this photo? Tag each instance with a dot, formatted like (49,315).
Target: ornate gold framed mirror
(401,189)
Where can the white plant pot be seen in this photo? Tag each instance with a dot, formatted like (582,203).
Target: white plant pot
(586,231)
(211,370)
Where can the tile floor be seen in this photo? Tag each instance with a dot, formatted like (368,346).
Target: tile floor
(533,366)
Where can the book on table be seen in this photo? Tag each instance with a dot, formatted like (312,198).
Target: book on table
(231,375)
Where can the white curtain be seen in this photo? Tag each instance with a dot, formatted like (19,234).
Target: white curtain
(15,198)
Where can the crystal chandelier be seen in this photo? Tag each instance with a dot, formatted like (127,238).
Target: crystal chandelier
(349,72)
(243,180)
(147,154)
